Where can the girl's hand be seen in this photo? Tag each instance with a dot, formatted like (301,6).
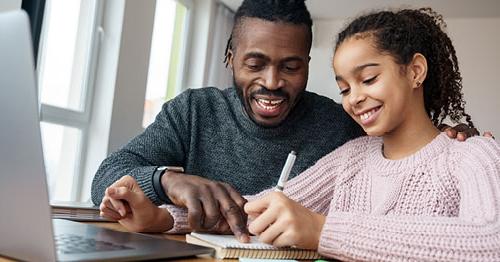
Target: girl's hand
(280,221)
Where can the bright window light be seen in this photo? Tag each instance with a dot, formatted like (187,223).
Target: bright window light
(66,42)
(61,147)
(164,62)
(64,65)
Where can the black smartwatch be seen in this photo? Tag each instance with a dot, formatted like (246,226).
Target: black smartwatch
(159,171)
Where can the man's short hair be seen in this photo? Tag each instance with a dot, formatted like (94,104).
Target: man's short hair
(285,11)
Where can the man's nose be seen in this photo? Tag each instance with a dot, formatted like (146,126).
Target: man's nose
(272,79)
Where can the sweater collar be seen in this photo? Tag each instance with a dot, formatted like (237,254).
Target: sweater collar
(421,157)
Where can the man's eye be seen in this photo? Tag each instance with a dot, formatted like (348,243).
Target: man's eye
(291,68)
(254,67)
(369,80)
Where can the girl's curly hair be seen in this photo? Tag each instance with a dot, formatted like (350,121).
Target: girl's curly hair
(406,32)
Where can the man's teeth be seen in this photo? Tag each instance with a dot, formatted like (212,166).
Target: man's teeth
(269,104)
(272,102)
(368,114)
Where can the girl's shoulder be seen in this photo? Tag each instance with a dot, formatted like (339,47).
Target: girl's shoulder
(477,151)
(477,146)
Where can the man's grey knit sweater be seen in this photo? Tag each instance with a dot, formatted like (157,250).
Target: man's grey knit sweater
(208,132)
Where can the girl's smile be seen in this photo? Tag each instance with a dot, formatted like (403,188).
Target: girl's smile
(368,116)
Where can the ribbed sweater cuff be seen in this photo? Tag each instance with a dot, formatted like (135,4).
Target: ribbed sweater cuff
(144,177)
(335,229)
(179,214)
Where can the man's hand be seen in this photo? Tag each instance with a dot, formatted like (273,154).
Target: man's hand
(280,221)
(208,202)
(488,134)
(125,202)
(461,131)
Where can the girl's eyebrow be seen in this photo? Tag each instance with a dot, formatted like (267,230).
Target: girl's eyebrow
(361,67)
(357,69)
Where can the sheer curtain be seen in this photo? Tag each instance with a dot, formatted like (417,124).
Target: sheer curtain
(218,75)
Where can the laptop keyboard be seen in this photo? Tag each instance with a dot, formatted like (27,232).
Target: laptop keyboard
(73,244)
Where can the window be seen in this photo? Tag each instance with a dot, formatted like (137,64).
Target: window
(166,66)
(69,44)
(65,73)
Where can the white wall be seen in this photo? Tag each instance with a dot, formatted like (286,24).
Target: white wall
(321,79)
(478,50)
(477,44)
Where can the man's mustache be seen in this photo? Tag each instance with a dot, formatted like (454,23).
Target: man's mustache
(266,92)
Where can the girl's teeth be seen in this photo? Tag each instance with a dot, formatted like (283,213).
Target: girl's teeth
(368,114)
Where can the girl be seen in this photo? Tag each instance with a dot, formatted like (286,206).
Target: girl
(406,191)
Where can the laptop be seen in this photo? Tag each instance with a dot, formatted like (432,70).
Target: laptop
(27,231)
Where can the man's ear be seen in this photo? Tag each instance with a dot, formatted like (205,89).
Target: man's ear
(418,69)
(230,57)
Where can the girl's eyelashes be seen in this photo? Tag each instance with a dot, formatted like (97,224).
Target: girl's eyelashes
(369,80)
(344,92)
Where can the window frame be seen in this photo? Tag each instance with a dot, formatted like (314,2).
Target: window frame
(79,119)
(179,47)
(186,38)
(103,128)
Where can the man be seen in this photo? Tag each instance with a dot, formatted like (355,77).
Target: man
(241,135)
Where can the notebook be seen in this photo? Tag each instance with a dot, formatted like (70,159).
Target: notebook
(227,246)
(27,231)
(76,211)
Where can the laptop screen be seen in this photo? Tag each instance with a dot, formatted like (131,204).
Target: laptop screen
(25,227)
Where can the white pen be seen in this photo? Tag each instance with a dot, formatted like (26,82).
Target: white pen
(286,171)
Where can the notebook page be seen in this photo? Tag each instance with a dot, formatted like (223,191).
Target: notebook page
(229,241)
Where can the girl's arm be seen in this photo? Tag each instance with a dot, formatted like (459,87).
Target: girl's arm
(313,188)
(473,235)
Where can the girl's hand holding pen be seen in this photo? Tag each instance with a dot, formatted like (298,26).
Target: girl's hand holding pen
(282,222)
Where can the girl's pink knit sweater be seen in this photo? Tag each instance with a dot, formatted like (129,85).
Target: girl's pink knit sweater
(441,203)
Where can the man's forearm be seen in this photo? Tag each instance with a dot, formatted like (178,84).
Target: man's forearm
(118,165)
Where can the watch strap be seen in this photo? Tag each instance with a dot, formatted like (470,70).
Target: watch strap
(156,179)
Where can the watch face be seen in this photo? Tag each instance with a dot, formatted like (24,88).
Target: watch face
(171,168)
(161,168)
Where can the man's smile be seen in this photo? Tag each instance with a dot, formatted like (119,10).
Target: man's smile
(268,106)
